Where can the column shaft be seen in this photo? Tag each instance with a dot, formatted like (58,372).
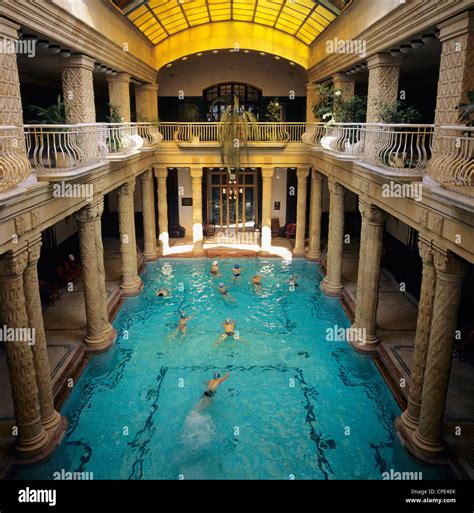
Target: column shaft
(198,239)
(161,175)
(119,94)
(360,270)
(311,101)
(345,84)
(32,437)
(149,223)
(146,102)
(428,438)
(384,74)
(267,187)
(78,89)
(131,282)
(314,251)
(299,249)
(332,283)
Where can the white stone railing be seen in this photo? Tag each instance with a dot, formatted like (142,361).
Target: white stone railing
(14,166)
(344,139)
(65,147)
(123,138)
(452,164)
(406,148)
(313,134)
(210,132)
(149,133)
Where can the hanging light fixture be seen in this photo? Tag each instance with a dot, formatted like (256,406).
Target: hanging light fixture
(416,43)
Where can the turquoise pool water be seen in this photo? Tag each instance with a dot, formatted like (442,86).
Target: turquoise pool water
(296,405)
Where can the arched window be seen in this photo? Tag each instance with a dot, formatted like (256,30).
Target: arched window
(249,97)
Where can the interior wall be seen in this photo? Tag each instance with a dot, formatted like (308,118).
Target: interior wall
(185,213)
(279,189)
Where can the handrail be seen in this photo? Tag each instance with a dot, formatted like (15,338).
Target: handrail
(14,166)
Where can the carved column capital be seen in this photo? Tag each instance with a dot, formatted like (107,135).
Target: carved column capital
(13,263)
(196,173)
(335,187)
(161,174)
(267,173)
(146,176)
(316,175)
(447,263)
(302,173)
(371,213)
(127,188)
(90,213)
(34,249)
(425,248)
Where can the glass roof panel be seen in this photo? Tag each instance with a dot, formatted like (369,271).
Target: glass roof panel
(303,19)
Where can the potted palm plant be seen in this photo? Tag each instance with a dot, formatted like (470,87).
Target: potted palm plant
(236,128)
(192,115)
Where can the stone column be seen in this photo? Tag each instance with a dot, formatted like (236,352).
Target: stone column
(32,438)
(360,269)
(107,328)
(146,102)
(411,415)
(161,175)
(267,187)
(78,89)
(332,283)
(367,295)
(11,113)
(311,101)
(50,418)
(198,240)
(314,250)
(149,224)
(299,249)
(384,74)
(450,270)
(119,94)
(131,283)
(95,339)
(456,69)
(345,84)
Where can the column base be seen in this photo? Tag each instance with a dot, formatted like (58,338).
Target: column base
(151,257)
(132,289)
(331,290)
(53,440)
(313,257)
(34,447)
(100,347)
(366,347)
(52,421)
(299,252)
(426,450)
(407,423)
(264,253)
(198,251)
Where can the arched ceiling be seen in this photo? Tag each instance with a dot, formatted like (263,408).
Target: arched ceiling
(304,20)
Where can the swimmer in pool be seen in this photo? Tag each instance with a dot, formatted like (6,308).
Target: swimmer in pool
(215,268)
(257,281)
(212,385)
(224,293)
(229,332)
(292,280)
(163,292)
(236,272)
(182,325)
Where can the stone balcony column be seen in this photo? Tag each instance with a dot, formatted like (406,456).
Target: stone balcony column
(299,249)
(267,187)
(314,250)
(119,94)
(107,328)
(332,283)
(368,279)
(150,251)
(131,283)
(411,415)
(78,89)
(311,101)
(345,84)
(11,113)
(198,239)
(450,271)
(50,418)
(161,175)
(146,102)
(456,69)
(95,339)
(32,438)
(384,75)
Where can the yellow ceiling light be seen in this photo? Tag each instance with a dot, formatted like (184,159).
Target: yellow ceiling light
(160,19)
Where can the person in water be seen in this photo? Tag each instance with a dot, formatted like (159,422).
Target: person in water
(211,390)
(163,292)
(257,281)
(182,325)
(236,272)
(229,332)
(224,293)
(215,268)
(292,281)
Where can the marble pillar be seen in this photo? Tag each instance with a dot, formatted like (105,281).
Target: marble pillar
(314,250)
(299,249)
(311,101)
(150,251)
(266,235)
(161,175)
(198,238)
(345,84)
(78,89)
(119,94)
(146,102)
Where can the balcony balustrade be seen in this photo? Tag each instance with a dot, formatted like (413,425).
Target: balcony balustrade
(14,166)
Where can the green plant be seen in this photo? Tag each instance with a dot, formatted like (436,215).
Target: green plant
(324,107)
(397,113)
(350,111)
(235,129)
(467,109)
(273,114)
(53,115)
(191,113)
(115,115)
